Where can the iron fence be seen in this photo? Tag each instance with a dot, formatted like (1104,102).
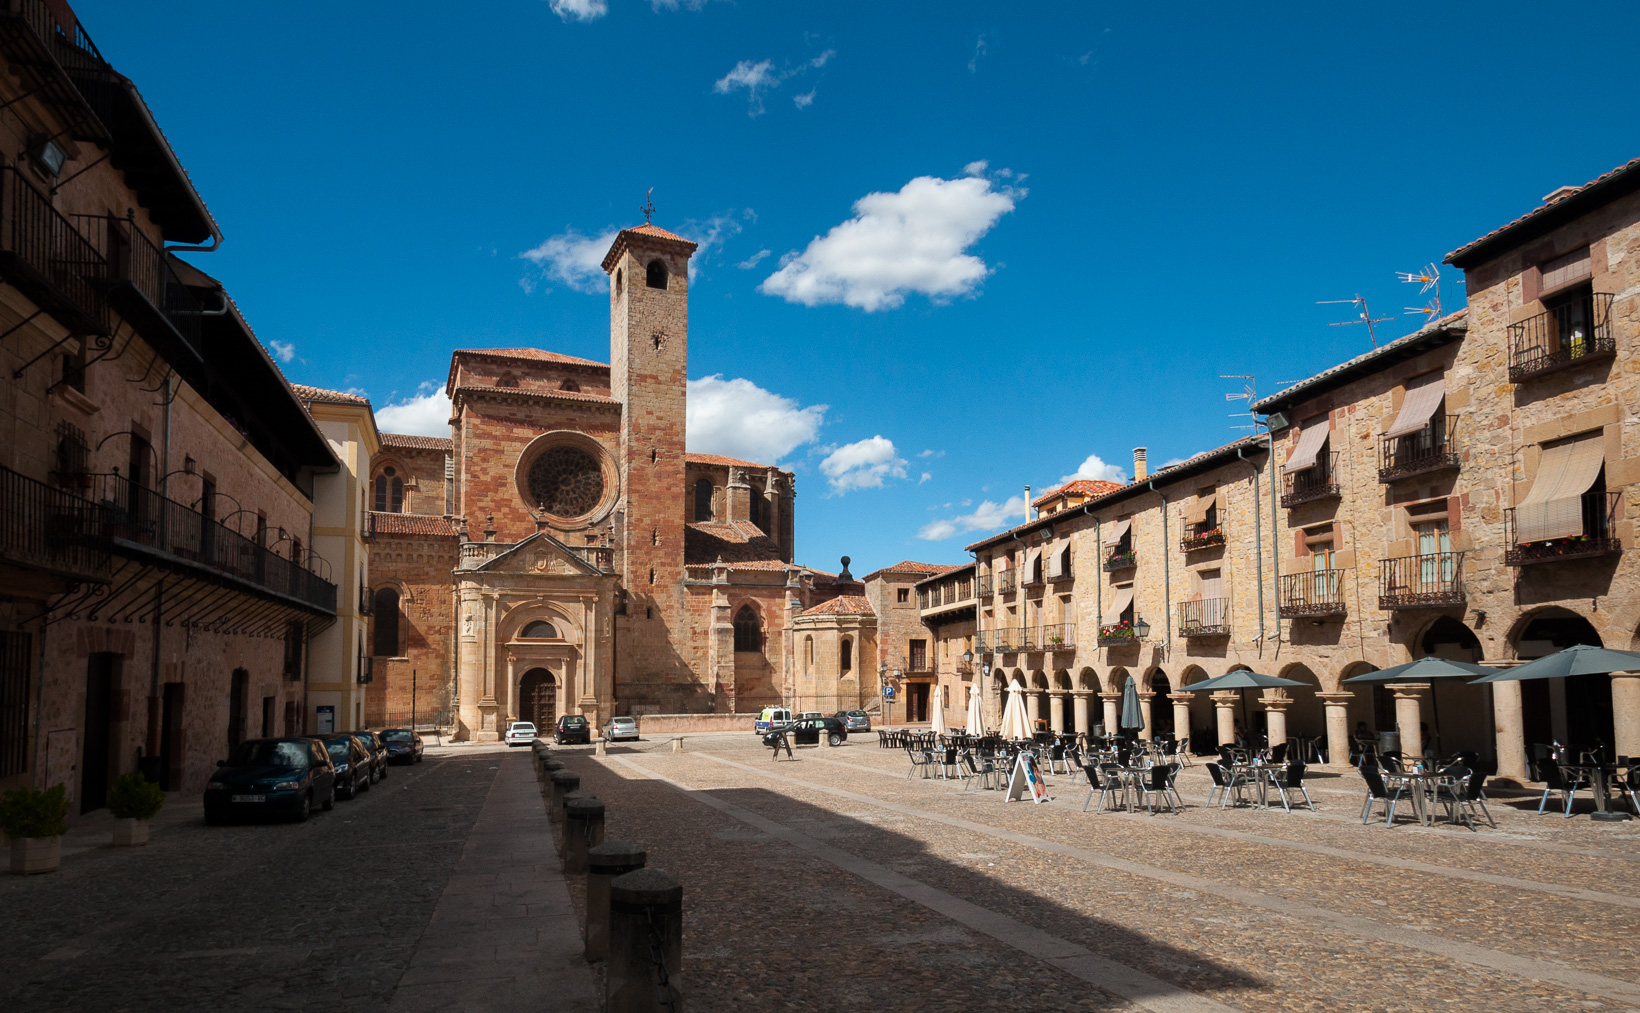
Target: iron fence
(51,529)
(1204,617)
(1313,593)
(57,266)
(1431,448)
(1575,331)
(1318,482)
(1431,580)
(1598,537)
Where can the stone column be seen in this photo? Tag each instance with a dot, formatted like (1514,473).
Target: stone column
(1626,713)
(511,707)
(1409,716)
(1079,704)
(1275,717)
(1225,705)
(1036,707)
(1507,723)
(1144,711)
(1112,714)
(1181,715)
(1056,710)
(1338,727)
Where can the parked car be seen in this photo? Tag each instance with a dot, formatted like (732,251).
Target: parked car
(352,762)
(771,717)
(854,721)
(520,733)
(404,745)
(285,776)
(809,714)
(572,728)
(377,750)
(621,728)
(807,731)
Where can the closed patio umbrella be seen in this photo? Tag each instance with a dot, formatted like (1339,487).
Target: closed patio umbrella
(936,704)
(1133,716)
(976,716)
(1015,725)
(1241,679)
(1425,670)
(1579,660)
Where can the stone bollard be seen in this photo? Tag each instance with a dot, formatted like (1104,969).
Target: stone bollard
(583,828)
(604,862)
(677,744)
(645,908)
(563,782)
(548,768)
(599,748)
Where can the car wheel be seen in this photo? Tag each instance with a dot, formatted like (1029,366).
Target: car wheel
(362,785)
(330,800)
(304,808)
(384,772)
(834,739)
(351,790)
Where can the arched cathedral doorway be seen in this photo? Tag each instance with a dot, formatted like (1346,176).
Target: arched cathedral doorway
(538,699)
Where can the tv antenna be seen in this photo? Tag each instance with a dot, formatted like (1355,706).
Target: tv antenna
(1245,394)
(1429,278)
(1365,316)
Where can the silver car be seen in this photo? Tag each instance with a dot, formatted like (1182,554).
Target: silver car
(621,728)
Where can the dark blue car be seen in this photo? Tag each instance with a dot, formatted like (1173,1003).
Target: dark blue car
(271,777)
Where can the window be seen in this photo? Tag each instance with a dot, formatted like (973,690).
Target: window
(618,279)
(294,638)
(506,380)
(760,512)
(386,643)
(571,386)
(808,651)
(539,629)
(703,499)
(748,630)
(845,657)
(389,491)
(919,655)
(903,595)
(655,274)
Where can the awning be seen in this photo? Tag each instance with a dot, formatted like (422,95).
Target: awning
(1117,530)
(1422,398)
(1056,556)
(1124,598)
(1032,568)
(1310,442)
(1554,506)
(1198,509)
(1562,271)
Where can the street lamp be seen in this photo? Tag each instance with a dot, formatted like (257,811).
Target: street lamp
(968,658)
(1141,629)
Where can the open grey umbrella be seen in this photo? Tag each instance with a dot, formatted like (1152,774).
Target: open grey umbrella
(1241,679)
(1133,717)
(1579,660)
(1425,670)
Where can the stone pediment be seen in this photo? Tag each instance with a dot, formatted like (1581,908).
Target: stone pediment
(539,554)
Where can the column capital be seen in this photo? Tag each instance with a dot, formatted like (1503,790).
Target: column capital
(1275,703)
(1181,697)
(1083,693)
(1335,699)
(1226,697)
(1408,690)
(1106,695)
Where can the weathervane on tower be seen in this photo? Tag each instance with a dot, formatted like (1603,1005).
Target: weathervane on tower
(648,205)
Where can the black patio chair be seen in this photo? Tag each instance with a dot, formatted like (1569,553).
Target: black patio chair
(1278,753)
(1221,785)
(1555,779)
(1158,780)
(1376,792)
(920,759)
(1465,796)
(1292,779)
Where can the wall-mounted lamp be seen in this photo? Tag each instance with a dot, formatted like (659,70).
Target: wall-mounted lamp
(1141,629)
(50,156)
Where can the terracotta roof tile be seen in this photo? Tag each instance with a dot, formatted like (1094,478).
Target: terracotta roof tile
(721,460)
(529,354)
(955,569)
(407,441)
(307,393)
(551,395)
(1080,487)
(653,233)
(1605,177)
(912,566)
(734,542)
(745,564)
(843,604)
(412,524)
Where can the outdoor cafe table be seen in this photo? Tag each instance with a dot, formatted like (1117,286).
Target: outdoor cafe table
(1259,774)
(1420,786)
(1600,775)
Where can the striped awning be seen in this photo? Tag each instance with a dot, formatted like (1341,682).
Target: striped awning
(1117,530)
(1198,510)
(1310,442)
(1554,506)
(1422,398)
(1124,599)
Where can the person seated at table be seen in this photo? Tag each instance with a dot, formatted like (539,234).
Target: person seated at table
(1241,736)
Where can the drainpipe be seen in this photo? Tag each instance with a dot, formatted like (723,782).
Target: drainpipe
(1275,544)
(1258,547)
(1167,572)
(152,736)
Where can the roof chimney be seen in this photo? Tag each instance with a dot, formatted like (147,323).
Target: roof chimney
(1029,511)
(1140,472)
(1560,194)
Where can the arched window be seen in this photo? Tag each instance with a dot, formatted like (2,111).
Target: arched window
(748,630)
(808,662)
(389,491)
(618,280)
(570,385)
(655,276)
(386,635)
(760,512)
(845,661)
(539,629)
(703,499)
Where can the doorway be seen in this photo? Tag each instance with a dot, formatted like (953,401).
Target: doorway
(96,750)
(538,699)
(916,702)
(1161,708)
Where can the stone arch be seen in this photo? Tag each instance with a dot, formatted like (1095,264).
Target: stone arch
(1447,637)
(1116,679)
(539,697)
(748,621)
(1158,686)
(1202,727)
(538,629)
(1088,680)
(389,487)
(1062,680)
(1576,710)
(655,273)
(523,613)
(1370,702)
(1306,716)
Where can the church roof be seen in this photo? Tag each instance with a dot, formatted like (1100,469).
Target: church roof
(652,235)
(733,541)
(843,604)
(719,459)
(548,395)
(912,566)
(517,355)
(407,441)
(412,524)
(307,393)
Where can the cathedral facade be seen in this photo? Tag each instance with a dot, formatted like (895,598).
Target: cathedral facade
(562,553)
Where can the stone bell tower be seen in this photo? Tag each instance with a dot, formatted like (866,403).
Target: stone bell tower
(648,270)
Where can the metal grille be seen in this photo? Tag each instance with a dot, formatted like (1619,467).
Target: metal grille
(15,651)
(1208,617)
(1428,449)
(1599,535)
(1319,482)
(1577,330)
(1313,593)
(1431,580)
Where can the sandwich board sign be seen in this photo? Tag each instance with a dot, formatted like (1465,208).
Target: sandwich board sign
(1026,780)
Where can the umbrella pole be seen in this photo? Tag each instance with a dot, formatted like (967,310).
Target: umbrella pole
(1435,708)
(1246,722)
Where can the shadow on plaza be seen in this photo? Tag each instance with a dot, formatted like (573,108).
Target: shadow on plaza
(890,935)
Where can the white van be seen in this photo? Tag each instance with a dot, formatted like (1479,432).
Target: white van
(771,717)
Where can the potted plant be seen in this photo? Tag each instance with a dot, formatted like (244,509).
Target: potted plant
(35,822)
(133,800)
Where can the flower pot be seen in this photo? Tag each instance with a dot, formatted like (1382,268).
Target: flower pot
(30,855)
(130,832)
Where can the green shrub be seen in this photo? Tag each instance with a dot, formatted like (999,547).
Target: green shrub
(134,796)
(25,812)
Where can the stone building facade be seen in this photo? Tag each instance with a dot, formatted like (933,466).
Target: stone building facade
(946,604)
(905,654)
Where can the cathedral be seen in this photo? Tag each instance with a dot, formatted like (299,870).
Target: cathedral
(562,553)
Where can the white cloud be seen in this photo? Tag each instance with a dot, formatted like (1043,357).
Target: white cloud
(737,418)
(863,464)
(580,10)
(823,59)
(426,414)
(754,78)
(711,233)
(925,477)
(925,454)
(672,5)
(284,350)
(988,517)
(571,259)
(804,100)
(1094,468)
(979,51)
(911,241)
(752,261)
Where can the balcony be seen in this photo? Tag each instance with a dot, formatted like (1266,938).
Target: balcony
(1313,594)
(1311,484)
(185,539)
(367,669)
(1004,641)
(983,642)
(61,65)
(985,586)
(1434,580)
(1201,536)
(145,288)
(1122,559)
(1430,449)
(1207,617)
(1564,336)
(1598,538)
(1118,635)
(1057,637)
(48,259)
(1007,581)
(50,530)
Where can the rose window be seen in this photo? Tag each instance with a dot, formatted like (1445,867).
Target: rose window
(566,482)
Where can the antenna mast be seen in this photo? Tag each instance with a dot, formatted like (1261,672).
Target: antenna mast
(1365,316)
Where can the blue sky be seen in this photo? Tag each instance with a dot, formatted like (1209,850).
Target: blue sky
(949,249)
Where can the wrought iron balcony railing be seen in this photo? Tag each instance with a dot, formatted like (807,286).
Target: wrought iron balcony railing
(1206,617)
(985,586)
(1319,482)
(1573,333)
(52,530)
(145,287)
(46,257)
(983,642)
(1201,536)
(1007,581)
(59,63)
(1126,559)
(1313,593)
(1598,537)
(1061,572)
(1430,449)
(1057,637)
(1433,580)
(1004,641)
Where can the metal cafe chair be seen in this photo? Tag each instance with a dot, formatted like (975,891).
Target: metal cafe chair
(1221,785)
(1376,792)
(1556,779)
(1158,781)
(920,760)
(1292,779)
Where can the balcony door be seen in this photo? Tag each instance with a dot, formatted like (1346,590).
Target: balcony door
(1324,583)
(1212,591)
(1434,555)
